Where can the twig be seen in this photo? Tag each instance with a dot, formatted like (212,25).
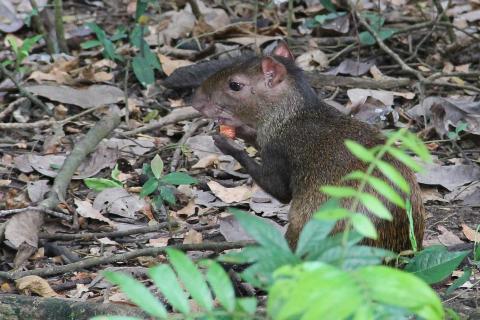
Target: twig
(122,257)
(196,10)
(473,74)
(112,234)
(41,28)
(29,125)
(180,114)
(188,133)
(440,13)
(125,92)
(451,85)
(59,30)
(52,213)
(12,106)
(389,51)
(24,92)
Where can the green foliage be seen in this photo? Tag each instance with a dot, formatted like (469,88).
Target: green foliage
(467,272)
(455,135)
(160,185)
(100,184)
(108,47)
(21,52)
(435,263)
(376,21)
(313,291)
(181,280)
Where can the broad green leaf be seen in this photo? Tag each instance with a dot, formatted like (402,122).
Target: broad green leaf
(367,38)
(412,142)
(149,187)
(221,285)
(143,70)
(313,232)
(467,272)
(191,278)
(359,151)
(374,19)
(138,294)
(339,192)
(394,176)
(379,185)
(405,158)
(120,33)
(151,57)
(364,226)
(375,206)
(136,38)
(99,184)
(327,4)
(166,193)
(157,166)
(322,18)
(141,8)
(435,264)
(312,291)
(263,232)
(355,257)
(178,178)
(248,305)
(114,318)
(397,288)
(333,214)
(317,250)
(166,280)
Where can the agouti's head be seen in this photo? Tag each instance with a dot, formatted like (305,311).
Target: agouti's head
(240,95)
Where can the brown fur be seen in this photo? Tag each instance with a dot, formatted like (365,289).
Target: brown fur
(301,143)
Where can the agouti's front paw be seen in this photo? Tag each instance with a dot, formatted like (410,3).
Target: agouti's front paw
(227,146)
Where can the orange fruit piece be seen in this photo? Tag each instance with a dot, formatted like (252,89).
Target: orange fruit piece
(227,131)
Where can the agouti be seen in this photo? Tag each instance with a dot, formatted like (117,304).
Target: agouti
(301,142)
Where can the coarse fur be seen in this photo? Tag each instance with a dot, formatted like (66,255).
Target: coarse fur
(301,142)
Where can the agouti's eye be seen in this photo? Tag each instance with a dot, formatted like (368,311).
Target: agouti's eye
(235,86)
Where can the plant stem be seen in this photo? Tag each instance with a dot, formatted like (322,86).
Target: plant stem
(62,43)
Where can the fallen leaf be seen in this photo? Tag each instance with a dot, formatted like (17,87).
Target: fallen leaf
(192,237)
(107,241)
(351,67)
(448,238)
(230,195)
(86,210)
(37,190)
(312,60)
(23,228)
(470,234)
(469,195)
(119,202)
(232,231)
(169,65)
(449,177)
(205,162)
(35,284)
(90,97)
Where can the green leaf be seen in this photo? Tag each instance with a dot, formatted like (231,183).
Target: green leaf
(312,291)
(90,44)
(411,226)
(248,305)
(435,264)
(263,232)
(141,8)
(114,318)
(412,142)
(166,193)
(375,206)
(322,18)
(191,278)
(313,232)
(137,293)
(178,178)
(394,176)
(150,116)
(374,19)
(394,287)
(339,192)
(166,280)
(115,173)
(143,70)
(317,251)
(151,57)
(136,38)
(405,158)
(221,285)
(364,226)
(157,166)
(359,151)
(327,4)
(149,187)
(467,272)
(100,184)
(333,214)
(355,257)
(379,185)
(367,38)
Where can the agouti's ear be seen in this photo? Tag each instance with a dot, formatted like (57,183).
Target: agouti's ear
(273,71)
(282,50)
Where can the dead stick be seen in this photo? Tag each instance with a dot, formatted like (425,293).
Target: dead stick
(188,133)
(122,257)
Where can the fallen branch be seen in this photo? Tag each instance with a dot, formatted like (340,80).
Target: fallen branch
(27,125)
(12,106)
(122,257)
(180,114)
(52,213)
(188,133)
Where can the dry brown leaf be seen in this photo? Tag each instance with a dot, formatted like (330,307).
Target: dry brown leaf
(158,242)
(230,195)
(35,284)
(470,234)
(86,210)
(193,237)
(206,162)
(447,237)
(169,65)
(23,228)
